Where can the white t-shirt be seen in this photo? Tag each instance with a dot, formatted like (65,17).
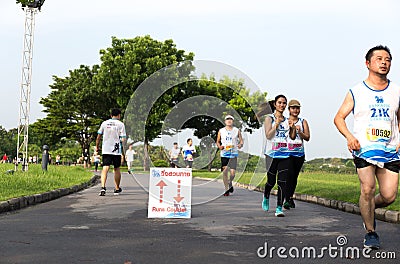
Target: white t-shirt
(112,130)
(175,153)
(129,154)
(230,140)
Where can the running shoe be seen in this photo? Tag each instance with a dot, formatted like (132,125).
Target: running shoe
(291,203)
(371,240)
(231,189)
(265,204)
(117,192)
(226,193)
(102,192)
(279,212)
(130,172)
(286,205)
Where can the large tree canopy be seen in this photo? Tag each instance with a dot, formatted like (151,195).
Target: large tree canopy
(74,108)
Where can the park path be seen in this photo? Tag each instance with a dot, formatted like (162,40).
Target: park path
(86,228)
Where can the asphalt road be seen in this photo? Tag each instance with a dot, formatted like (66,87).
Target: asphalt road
(86,228)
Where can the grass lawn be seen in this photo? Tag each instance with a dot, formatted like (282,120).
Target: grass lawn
(35,181)
(342,187)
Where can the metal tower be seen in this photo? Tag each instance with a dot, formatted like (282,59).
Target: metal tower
(25,90)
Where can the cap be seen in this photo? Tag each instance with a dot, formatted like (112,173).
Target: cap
(229,117)
(294,102)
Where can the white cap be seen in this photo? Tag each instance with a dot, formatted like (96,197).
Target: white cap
(229,117)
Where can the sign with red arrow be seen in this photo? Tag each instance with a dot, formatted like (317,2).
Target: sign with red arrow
(170,192)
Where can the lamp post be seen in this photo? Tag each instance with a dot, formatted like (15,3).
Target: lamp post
(31,7)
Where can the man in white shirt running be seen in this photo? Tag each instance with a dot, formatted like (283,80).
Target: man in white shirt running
(229,140)
(113,133)
(374,142)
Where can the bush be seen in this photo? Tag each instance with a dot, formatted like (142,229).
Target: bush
(160,163)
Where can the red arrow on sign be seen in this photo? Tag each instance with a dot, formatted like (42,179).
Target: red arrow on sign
(161,184)
(178,197)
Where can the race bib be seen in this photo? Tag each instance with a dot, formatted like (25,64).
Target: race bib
(378,134)
(228,147)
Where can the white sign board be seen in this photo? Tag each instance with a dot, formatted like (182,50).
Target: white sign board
(170,193)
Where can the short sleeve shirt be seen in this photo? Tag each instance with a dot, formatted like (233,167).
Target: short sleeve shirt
(112,130)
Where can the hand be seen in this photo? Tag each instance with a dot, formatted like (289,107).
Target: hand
(397,148)
(221,147)
(353,144)
(240,145)
(280,119)
(298,128)
(291,123)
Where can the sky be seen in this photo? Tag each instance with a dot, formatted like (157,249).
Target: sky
(310,50)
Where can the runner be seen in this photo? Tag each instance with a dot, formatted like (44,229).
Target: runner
(129,158)
(174,155)
(375,138)
(296,150)
(113,131)
(187,152)
(277,130)
(229,140)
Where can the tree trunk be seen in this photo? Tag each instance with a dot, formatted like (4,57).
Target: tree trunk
(146,160)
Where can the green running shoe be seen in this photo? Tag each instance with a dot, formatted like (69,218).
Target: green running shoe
(279,212)
(265,204)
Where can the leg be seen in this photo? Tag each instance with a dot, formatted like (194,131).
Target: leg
(271,165)
(225,177)
(388,185)
(366,176)
(117,178)
(283,170)
(104,176)
(232,177)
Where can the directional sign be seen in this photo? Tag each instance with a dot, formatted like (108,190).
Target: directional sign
(170,193)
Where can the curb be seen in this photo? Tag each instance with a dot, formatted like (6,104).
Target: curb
(380,213)
(25,201)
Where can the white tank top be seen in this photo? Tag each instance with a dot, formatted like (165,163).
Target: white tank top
(296,146)
(375,122)
(230,140)
(277,147)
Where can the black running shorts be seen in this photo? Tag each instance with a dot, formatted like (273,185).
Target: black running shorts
(230,162)
(109,160)
(392,166)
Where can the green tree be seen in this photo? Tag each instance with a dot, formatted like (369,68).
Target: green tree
(127,64)
(72,109)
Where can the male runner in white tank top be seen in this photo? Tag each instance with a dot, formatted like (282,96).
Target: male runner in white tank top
(229,140)
(374,142)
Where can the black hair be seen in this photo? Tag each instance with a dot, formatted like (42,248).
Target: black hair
(175,143)
(369,54)
(187,141)
(115,112)
(269,106)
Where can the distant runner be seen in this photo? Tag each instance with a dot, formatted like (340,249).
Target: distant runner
(229,140)
(174,155)
(374,142)
(187,152)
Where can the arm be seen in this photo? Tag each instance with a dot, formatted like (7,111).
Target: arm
(240,145)
(398,118)
(305,134)
(340,123)
(292,130)
(270,129)
(98,139)
(219,141)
